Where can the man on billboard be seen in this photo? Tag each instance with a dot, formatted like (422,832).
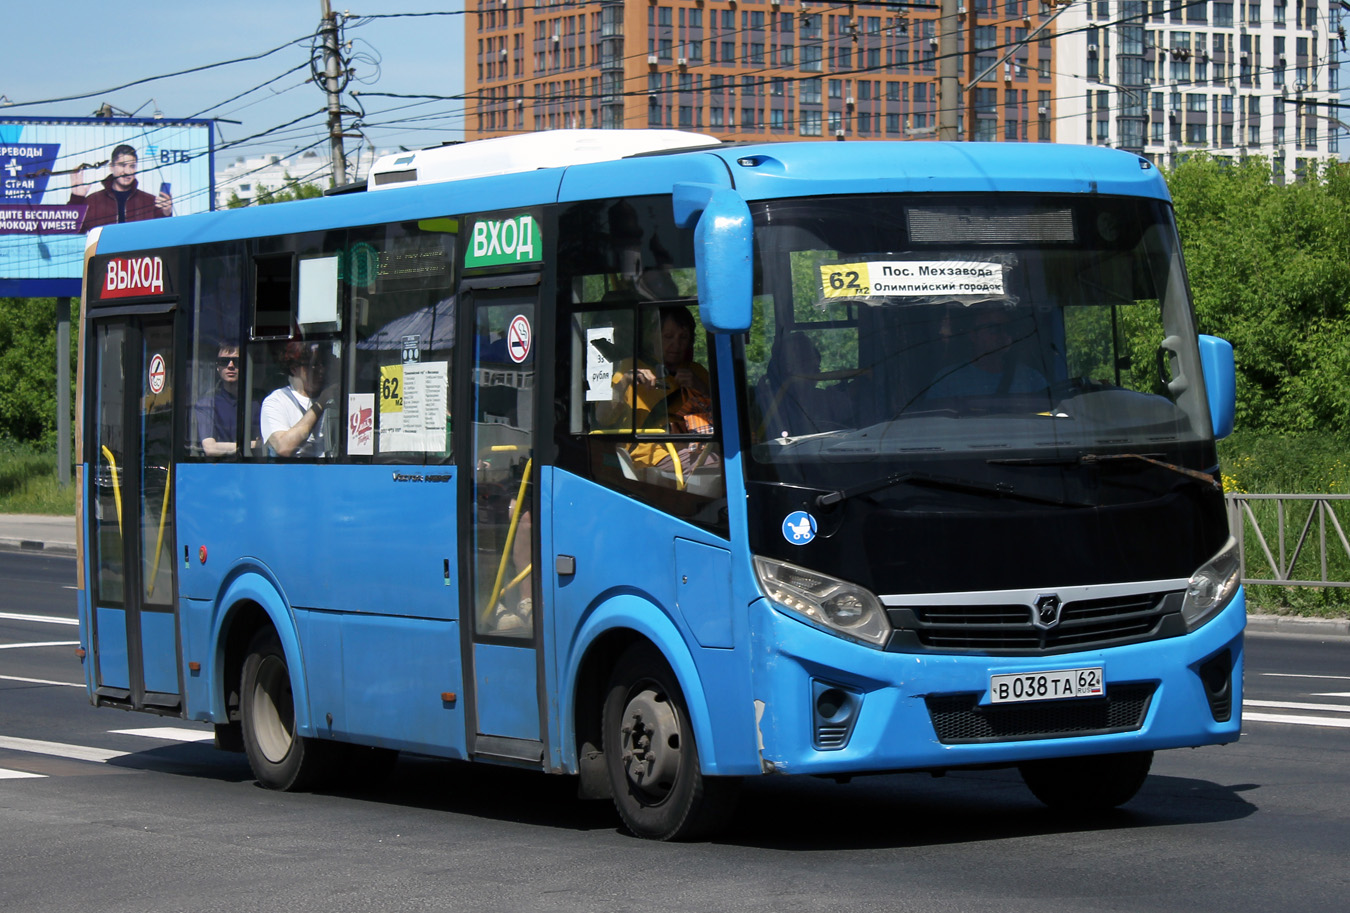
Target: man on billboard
(120,200)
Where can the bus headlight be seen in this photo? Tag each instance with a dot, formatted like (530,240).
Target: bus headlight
(1212,587)
(836,605)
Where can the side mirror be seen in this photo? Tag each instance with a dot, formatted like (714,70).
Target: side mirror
(1216,361)
(723,253)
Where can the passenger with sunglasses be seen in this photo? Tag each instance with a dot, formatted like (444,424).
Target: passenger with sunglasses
(215,417)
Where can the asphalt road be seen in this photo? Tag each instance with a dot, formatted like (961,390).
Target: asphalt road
(102,810)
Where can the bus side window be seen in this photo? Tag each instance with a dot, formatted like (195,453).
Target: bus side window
(643,404)
(402,282)
(216,367)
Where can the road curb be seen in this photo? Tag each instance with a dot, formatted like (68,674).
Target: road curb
(1298,626)
(11,544)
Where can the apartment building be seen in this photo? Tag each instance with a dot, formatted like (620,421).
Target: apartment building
(1168,78)
(758,69)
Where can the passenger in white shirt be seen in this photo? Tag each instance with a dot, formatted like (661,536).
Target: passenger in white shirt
(292,416)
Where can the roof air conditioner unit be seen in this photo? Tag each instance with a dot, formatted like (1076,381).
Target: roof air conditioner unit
(684,61)
(1092,49)
(849,101)
(556,39)
(651,59)
(1042,110)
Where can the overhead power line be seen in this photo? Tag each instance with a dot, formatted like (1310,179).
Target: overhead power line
(138,82)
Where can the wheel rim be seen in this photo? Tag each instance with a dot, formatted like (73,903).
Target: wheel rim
(652,742)
(273,710)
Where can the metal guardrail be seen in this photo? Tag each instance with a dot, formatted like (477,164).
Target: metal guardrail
(1311,515)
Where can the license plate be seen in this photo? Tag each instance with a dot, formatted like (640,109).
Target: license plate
(1046,686)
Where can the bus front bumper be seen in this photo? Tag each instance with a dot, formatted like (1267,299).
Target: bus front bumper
(826,705)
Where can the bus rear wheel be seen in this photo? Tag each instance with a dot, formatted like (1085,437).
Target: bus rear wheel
(279,758)
(651,756)
(1094,783)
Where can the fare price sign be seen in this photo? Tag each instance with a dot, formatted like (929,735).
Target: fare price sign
(910,278)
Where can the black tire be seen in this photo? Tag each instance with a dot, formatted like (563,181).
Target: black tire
(279,758)
(651,756)
(1094,783)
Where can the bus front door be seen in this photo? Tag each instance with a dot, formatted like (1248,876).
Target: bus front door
(133,614)
(500,550)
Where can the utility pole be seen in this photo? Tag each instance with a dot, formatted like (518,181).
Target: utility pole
(333,72)
(949,89)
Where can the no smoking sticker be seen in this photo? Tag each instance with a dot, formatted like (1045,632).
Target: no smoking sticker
(157,374)
(518,338)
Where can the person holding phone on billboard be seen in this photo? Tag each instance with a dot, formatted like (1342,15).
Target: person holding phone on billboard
(120,200)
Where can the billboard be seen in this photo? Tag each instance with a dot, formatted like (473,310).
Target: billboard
(60,177)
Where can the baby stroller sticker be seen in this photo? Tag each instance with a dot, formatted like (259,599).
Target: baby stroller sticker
(799,528)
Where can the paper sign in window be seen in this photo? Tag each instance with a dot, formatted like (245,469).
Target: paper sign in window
(318,301)
(413,400)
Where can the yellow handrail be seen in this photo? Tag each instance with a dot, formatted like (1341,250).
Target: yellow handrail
(510,541)
(679,470)
(117,489)
(159,544)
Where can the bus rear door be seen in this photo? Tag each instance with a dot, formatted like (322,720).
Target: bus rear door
(134,616)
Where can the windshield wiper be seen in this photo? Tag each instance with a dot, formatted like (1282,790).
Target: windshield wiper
(948,483)
(1089,458)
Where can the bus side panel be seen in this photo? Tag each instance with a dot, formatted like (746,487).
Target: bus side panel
(507,691)
(86,636)
(363,560)
(626,577)
(370,539)
(110,649)
(194,621)
(400,704)
(159,651)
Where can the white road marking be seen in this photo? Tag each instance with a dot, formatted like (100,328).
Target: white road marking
(39,681)
(48,619)
(1339,678)
(1332,694)
(43,643)
(1295,720)
(19,775)
(60,749)
(1297,705)
(169,733)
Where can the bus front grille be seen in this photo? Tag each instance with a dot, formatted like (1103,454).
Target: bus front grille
(959,718)
(1009,628)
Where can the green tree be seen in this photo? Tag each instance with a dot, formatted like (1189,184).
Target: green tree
(290,189)
(1270,271)
(28,369)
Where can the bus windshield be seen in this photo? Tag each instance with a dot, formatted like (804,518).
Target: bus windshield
(975,356)
(958,327)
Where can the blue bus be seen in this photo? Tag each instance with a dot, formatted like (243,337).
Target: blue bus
(662,463)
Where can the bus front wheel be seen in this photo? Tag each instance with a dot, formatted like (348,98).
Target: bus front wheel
(651,756)
(280,759)
(1093,783)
